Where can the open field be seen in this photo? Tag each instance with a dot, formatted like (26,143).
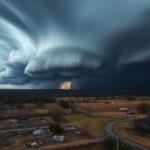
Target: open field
(30,109)
(109,105)
(126,130)
(92,124)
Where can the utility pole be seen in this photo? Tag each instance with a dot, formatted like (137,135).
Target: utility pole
(117,138)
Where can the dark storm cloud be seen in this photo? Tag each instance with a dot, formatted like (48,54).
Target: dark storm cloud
(131,45)
(99,44)
(63,61)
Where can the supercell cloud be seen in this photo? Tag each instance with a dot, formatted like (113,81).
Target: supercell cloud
(96,44)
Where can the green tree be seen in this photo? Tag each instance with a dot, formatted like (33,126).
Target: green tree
(56,128)
(64,104)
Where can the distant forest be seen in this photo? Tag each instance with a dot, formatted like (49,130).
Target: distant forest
(26,96)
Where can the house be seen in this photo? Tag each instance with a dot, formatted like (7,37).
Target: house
(58,138)
(142,125)
(71,128)
(39,132)
(34,143)
(13,121)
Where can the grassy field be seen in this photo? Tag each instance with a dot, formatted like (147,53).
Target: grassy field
(93,124)
(110,106)
(31,109)
(125,130)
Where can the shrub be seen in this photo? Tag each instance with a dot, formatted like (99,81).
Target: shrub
(64,104)
(56,128)
(143,108)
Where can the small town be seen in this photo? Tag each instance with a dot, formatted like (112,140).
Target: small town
(71,122)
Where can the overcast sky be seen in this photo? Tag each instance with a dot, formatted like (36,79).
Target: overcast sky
(95,44)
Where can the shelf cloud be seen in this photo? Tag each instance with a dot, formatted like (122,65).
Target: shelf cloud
(94,44)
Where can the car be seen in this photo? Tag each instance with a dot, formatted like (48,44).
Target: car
(123,109)
(131,112)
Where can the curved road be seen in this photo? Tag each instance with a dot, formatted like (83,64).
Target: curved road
(109,130)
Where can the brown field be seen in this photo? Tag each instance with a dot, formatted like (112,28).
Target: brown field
(126,130)
(92,124)
(112,105)
(31,109)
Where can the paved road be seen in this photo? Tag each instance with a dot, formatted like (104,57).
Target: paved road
(109,130)
(23,129)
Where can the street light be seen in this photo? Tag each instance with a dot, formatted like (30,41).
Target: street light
(117,138)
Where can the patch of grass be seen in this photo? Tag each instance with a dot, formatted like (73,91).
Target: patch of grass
(92,124)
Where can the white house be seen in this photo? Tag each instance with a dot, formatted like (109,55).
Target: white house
(58,138)
(39,132)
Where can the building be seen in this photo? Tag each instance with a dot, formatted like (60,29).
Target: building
(39,132)
(33,143)
(58,138)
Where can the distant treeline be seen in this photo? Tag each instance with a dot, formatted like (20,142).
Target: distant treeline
(26,96)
